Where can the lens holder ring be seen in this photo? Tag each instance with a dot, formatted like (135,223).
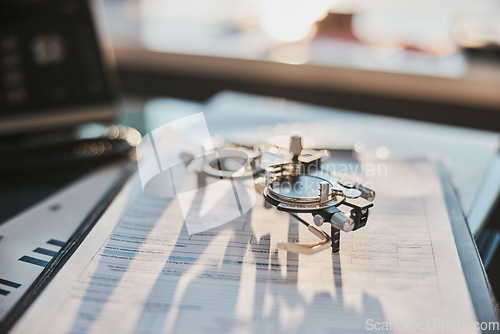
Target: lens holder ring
(249,169)
(283,172)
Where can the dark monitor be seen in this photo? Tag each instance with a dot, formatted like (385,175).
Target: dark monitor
(53,73)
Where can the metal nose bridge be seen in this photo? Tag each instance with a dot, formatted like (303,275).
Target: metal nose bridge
(324,243)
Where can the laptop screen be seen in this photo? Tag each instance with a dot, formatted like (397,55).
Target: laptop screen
(52,71)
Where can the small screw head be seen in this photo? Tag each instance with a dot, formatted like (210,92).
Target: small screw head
(318,220)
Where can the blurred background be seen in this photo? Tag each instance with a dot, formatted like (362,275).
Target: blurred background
(428,60)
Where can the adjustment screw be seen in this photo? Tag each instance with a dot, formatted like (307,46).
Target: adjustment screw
(341,222)
(318,220)
(296,146)
(324,191)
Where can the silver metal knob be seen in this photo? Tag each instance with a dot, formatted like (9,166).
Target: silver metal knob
(318,220)
(366,192)
(342,222)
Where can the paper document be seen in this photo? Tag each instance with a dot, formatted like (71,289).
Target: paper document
(29,241)
(140,271)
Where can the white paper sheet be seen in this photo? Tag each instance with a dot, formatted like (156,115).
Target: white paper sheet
(140,271)
(31,239)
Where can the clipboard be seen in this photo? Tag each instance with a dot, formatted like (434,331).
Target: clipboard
(483,299)
(484,303)
(66,251)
